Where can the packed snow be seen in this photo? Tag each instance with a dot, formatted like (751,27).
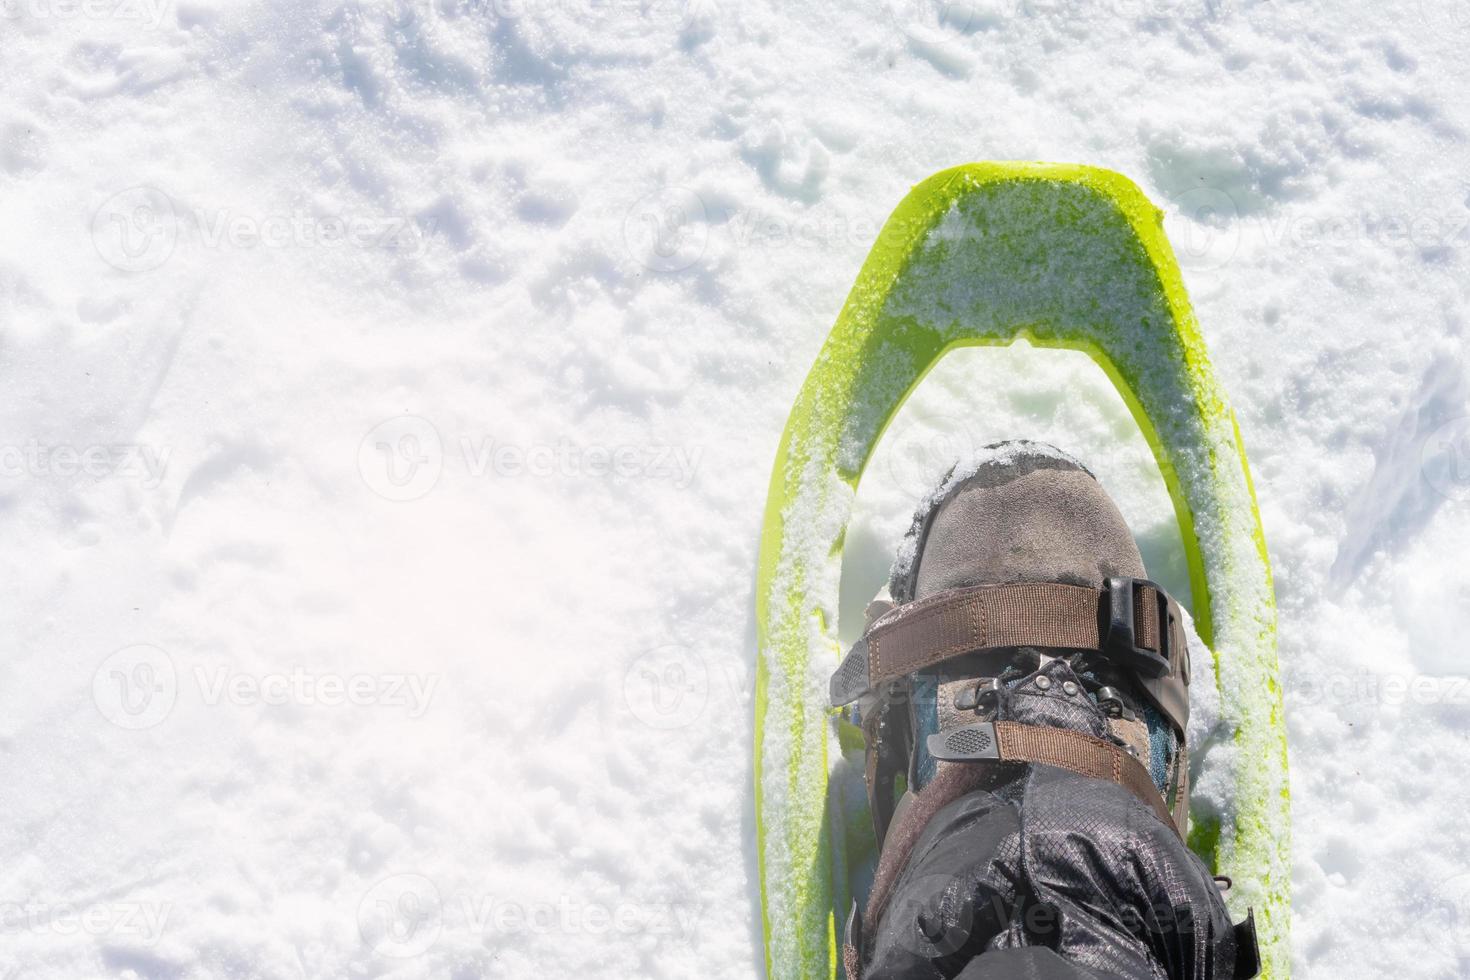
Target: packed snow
(391,393)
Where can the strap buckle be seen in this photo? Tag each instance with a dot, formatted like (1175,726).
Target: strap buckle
(1120,640)
(1247,948)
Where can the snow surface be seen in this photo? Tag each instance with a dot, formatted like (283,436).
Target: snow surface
(391,395)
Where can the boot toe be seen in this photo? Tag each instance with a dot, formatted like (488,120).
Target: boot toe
(1018,512)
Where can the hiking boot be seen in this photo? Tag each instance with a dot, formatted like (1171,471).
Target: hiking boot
(1099,650)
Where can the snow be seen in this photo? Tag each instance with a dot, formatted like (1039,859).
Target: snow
(392,390)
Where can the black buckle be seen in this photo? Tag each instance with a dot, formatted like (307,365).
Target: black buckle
(1247,948)
(1121,639)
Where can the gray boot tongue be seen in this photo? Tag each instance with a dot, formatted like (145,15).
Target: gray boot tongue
(1053,697)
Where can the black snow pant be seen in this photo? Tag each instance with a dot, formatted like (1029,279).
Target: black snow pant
(1054,876)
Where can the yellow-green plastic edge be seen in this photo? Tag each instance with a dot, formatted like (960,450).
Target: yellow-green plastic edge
(966,224)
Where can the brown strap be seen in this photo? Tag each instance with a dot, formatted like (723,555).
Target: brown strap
(1084,755)
(1181,792)
(952,623)
(921,634)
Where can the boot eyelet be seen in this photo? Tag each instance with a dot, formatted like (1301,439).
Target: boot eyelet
(973,698)
(1111,703)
